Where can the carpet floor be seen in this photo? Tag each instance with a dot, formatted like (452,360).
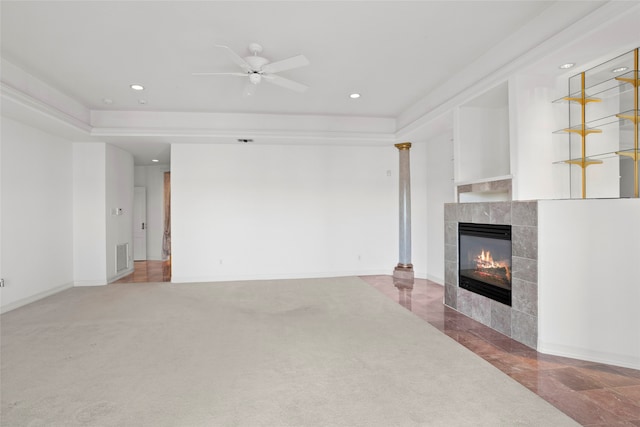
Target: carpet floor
(309,352)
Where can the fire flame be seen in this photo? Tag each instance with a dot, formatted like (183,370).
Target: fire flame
(485,261)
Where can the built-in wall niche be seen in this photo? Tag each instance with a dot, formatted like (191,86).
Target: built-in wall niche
(482,145)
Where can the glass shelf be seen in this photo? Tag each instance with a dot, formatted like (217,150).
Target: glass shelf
(579,162)
(614,86)
(577,130)
(603,101)
(623,120)
(575,97)
(598,158)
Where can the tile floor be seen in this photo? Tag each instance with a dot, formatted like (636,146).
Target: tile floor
(594,394)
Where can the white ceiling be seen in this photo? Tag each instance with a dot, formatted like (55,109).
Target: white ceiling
(395,53)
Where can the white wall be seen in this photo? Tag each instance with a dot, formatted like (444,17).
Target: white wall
(119,194)
(533,145)
(89,214)
(419,207)
(588,280)
(102,181)
(440,190)
(250,211)
(152,178)
(37,214)
(482,143)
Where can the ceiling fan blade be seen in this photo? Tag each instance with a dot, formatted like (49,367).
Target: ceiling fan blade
(220,74)
(236,58)
(249,89)
(286,64)
(289,84)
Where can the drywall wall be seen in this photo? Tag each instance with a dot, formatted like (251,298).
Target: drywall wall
(588,280)
(152,178)
(482,143)
(103,211)
(118,196)
(419,207)
(251,211)
(89,214)
(534,147)
(439,190)
(37,213)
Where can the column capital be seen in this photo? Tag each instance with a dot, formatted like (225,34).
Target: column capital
(403,145)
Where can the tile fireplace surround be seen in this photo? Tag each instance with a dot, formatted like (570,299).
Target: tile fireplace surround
(520,321)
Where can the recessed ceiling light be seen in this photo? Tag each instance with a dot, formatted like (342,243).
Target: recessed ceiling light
(619,69)
(567,65)
(155,160)
(354,96)
(142,101)
(137,87)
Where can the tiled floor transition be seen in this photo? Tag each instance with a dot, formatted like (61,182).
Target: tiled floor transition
(594,394)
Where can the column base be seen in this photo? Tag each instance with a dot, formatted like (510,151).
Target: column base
(403,276)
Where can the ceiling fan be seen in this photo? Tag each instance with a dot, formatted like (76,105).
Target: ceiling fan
(256,68)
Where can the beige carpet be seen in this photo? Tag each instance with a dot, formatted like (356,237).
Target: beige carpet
(313,352)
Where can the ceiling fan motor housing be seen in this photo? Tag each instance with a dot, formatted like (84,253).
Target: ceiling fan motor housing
(256,62)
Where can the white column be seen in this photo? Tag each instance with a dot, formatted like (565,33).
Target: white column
(405,206)
(403,273)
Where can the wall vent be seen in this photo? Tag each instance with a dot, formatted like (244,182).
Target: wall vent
(122,257)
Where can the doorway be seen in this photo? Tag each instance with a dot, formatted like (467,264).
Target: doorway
(152,230)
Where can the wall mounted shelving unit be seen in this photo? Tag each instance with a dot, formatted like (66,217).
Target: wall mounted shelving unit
(602,126)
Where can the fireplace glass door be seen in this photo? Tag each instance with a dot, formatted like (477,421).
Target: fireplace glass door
(485,260)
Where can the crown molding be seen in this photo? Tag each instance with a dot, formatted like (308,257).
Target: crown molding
(509,58)
(25,108)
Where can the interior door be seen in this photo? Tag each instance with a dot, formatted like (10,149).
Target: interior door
(140,224)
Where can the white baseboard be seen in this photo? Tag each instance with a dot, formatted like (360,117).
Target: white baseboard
(89,283)
(121,275)
(590,355)
(34,298)
(438,280)
(284,276)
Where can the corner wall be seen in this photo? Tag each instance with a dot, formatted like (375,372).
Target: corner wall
(37,214)
(119,195)
(589,280)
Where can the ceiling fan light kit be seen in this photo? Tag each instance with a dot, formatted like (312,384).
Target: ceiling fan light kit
(257,68)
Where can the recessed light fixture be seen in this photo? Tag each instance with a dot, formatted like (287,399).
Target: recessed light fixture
(354,96)
(137,87)
(155,160)
(142,101)
(619,69)
(566,66)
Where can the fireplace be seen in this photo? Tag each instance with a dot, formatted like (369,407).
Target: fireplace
(485,260)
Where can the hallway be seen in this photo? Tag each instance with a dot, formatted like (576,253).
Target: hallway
(149,271)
